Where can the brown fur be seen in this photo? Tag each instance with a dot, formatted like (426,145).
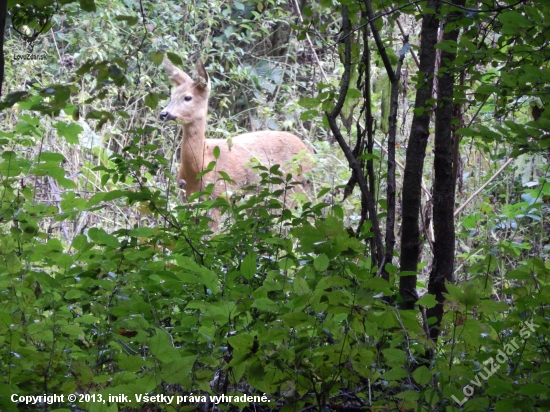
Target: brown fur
(189,104)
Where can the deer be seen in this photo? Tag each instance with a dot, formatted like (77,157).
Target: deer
(189,106)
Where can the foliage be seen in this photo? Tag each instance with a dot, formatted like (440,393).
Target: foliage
(110,286)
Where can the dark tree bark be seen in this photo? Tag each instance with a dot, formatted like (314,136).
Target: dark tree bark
(394,95)
(354,164)
(444,182)
(3,16)
(416,152)
(362,144)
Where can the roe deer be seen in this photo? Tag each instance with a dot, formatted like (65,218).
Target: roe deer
(189,105)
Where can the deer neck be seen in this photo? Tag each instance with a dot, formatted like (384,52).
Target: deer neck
(193,153)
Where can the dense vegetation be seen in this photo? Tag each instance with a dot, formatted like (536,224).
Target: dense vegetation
(423,289)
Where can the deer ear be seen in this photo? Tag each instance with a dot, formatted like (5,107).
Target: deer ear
(175,75)
(202,79)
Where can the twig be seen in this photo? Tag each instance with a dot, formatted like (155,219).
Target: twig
(55,43)
(57,197)
(415,57)
(499,171)
(314,53)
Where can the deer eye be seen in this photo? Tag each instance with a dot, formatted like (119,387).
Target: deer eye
(188,98)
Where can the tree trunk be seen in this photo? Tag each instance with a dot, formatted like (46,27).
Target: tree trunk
(394,77)
(444,183)
(416,152)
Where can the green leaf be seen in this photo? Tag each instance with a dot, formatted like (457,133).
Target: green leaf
(161,347)
(51,157)
(321,263)
(248,266)
(308,102)
(174,58)
(146,232)
(242,341)
(498,387)
(12,263)
(395,356)
(395,374)
(286,263)
(427,300)
(178,370)
(266,304)
(353,94)
(309,115)
(87,5)
(130,20)
(422,375)
(152,100)
(69,131)
(216,152)
(73,294)
(156,57)
(102,237)
(199,274)
(106,196)
(533,389)
(72,330)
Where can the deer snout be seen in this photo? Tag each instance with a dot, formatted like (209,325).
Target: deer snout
(165,115)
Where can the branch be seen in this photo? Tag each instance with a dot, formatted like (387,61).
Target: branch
(406,35)
(354,164)
(313,52)
(378,41)
(499,171)
(317,61)
(412,3)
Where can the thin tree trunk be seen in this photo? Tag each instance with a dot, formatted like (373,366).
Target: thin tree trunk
(352,160)
(416,152)
(394,104)
(444,183)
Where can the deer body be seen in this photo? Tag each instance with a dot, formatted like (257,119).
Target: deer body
(189,105)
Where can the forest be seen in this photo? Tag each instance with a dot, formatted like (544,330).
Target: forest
(379,242)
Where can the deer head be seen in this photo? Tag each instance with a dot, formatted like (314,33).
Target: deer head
(189,100)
